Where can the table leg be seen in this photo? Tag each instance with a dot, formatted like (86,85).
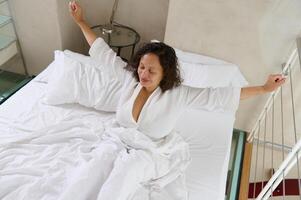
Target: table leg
(133,49)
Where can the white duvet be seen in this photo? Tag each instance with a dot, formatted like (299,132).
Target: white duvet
(52,158)
(41,146)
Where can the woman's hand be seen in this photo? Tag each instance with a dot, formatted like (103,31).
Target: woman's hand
(76,12)
(273,82)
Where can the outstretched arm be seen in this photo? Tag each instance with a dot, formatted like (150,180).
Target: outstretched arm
(273,82)
(77,15)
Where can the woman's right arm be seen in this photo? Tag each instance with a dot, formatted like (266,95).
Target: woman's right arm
(77,15)
(112,64)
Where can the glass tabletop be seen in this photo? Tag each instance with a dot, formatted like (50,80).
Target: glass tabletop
(121,36)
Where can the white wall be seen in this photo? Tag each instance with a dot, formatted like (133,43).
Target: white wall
(44,26)
(148,17)
(38,31)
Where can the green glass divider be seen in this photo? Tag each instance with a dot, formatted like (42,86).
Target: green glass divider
(4,96)
(235,165)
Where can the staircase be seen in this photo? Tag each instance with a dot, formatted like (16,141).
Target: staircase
(271,165)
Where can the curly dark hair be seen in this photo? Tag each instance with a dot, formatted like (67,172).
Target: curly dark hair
(168,60)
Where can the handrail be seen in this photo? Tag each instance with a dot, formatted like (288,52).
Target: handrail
(284,168)
(268,104)
(292,158)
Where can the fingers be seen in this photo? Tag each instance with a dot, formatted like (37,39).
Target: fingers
(280,82)
(274,81)
(73,6)
(277,77)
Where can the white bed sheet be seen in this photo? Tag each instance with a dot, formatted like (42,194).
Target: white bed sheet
(208,134)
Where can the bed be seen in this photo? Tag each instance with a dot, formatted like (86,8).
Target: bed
(41,146)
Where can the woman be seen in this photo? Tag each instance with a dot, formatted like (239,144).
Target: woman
(139,148)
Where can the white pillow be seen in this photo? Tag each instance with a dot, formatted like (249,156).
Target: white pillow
(81,58)
(43,76)
(72,81)
(213,75)
(203,71)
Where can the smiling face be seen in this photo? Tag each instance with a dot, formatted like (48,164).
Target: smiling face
(155,65)
(150,71)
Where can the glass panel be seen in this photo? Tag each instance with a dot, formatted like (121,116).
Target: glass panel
(4,20)
(5,41)
(10,83)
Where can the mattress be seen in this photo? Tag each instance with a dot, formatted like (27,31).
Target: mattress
(25,115)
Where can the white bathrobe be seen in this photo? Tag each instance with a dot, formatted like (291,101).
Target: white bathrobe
(147,153)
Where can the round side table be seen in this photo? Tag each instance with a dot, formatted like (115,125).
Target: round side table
(120,37)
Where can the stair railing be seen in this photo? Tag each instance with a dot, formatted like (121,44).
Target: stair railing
(292,159)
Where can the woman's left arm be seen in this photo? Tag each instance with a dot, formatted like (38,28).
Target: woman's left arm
(273,82)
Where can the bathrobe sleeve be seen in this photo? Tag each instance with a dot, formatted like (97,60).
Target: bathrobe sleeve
(225,99)
(108,60)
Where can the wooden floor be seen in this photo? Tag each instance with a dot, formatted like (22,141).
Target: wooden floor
(244,181)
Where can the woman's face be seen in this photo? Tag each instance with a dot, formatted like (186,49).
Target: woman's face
(150,71)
